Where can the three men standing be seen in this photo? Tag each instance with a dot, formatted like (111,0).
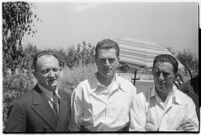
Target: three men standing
(103,102)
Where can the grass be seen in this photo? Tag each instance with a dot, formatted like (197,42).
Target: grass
(71,77)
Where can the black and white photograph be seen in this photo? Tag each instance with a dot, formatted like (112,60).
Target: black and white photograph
(100,67)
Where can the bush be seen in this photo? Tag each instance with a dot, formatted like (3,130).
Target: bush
(82,54)
(187,58)
(72,76)
(15,85)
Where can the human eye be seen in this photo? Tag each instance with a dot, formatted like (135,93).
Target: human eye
(165,74)
(44,71)
(111,60)
(102,59)
(55,69)
(156,73)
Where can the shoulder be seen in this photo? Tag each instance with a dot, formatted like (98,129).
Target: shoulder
(123,80)
(183,98)
(126,84)
(81,89)
(146,95)
(82,85)
(27,97)
(23,100)
(85,85)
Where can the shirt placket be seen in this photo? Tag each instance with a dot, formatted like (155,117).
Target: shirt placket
(106,105)
(161,113)
(163,122)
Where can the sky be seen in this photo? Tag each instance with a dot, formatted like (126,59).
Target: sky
(63,24)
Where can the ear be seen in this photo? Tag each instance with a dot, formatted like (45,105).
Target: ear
(176,75)
(34,72)
(61,68)
(118,59)
(152,70)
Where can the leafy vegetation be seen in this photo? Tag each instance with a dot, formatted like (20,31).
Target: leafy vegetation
(190,62)
(18,20)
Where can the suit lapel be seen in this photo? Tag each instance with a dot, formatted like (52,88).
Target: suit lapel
(42,107)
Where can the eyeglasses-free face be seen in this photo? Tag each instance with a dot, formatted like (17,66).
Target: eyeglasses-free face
(48,71)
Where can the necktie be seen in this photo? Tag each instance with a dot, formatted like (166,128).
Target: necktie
(55,104)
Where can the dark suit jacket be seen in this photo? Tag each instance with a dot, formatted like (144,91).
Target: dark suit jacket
(32,113)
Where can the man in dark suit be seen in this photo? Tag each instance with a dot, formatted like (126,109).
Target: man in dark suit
(45,108)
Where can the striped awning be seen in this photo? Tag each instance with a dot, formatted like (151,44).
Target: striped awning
(141,53)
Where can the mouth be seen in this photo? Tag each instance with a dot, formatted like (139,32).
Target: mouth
(107,69)
(161,85)
(51,81)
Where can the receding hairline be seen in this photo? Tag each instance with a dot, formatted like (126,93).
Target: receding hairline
(45,53)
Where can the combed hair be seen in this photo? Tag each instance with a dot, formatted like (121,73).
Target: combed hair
(46,52)
(166,58)
(107,44)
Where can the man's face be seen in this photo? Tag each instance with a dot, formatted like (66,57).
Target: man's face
(107,62)
(164,76)
(47,72)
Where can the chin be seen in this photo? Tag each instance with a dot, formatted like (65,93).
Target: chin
(109,76)
(161,88)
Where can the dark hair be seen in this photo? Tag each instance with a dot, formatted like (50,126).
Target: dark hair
(46,52)
(107,44)
(166,58)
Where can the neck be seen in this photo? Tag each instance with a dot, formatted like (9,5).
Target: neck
(105,80)
(163,95)
(53,89)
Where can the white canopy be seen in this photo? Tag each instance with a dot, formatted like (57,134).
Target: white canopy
(139,53)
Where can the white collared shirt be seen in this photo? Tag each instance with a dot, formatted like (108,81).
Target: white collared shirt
(101,108)
(49,94)
(168,115)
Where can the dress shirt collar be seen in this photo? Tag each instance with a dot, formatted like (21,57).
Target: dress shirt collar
(174,94)
(115,84)
(49,93)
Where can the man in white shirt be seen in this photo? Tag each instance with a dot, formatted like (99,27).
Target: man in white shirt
(103,102)
(164,107)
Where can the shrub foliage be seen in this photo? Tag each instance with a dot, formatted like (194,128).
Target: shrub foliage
(17,20)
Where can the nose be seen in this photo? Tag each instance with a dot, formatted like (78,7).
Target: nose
(161,77)
(107,62)
(51,73)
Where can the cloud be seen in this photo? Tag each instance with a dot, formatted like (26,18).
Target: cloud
(85,6)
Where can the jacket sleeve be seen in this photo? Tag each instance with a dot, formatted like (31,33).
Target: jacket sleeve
(16,119)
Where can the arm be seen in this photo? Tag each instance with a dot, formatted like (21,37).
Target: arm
(17,119)
(76,110)
(137,113)
(190,122)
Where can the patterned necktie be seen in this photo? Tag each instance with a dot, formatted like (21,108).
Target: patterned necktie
(55,104)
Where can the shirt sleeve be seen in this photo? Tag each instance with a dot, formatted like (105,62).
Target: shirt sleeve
(76,110)
(137,113)
(191,114)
